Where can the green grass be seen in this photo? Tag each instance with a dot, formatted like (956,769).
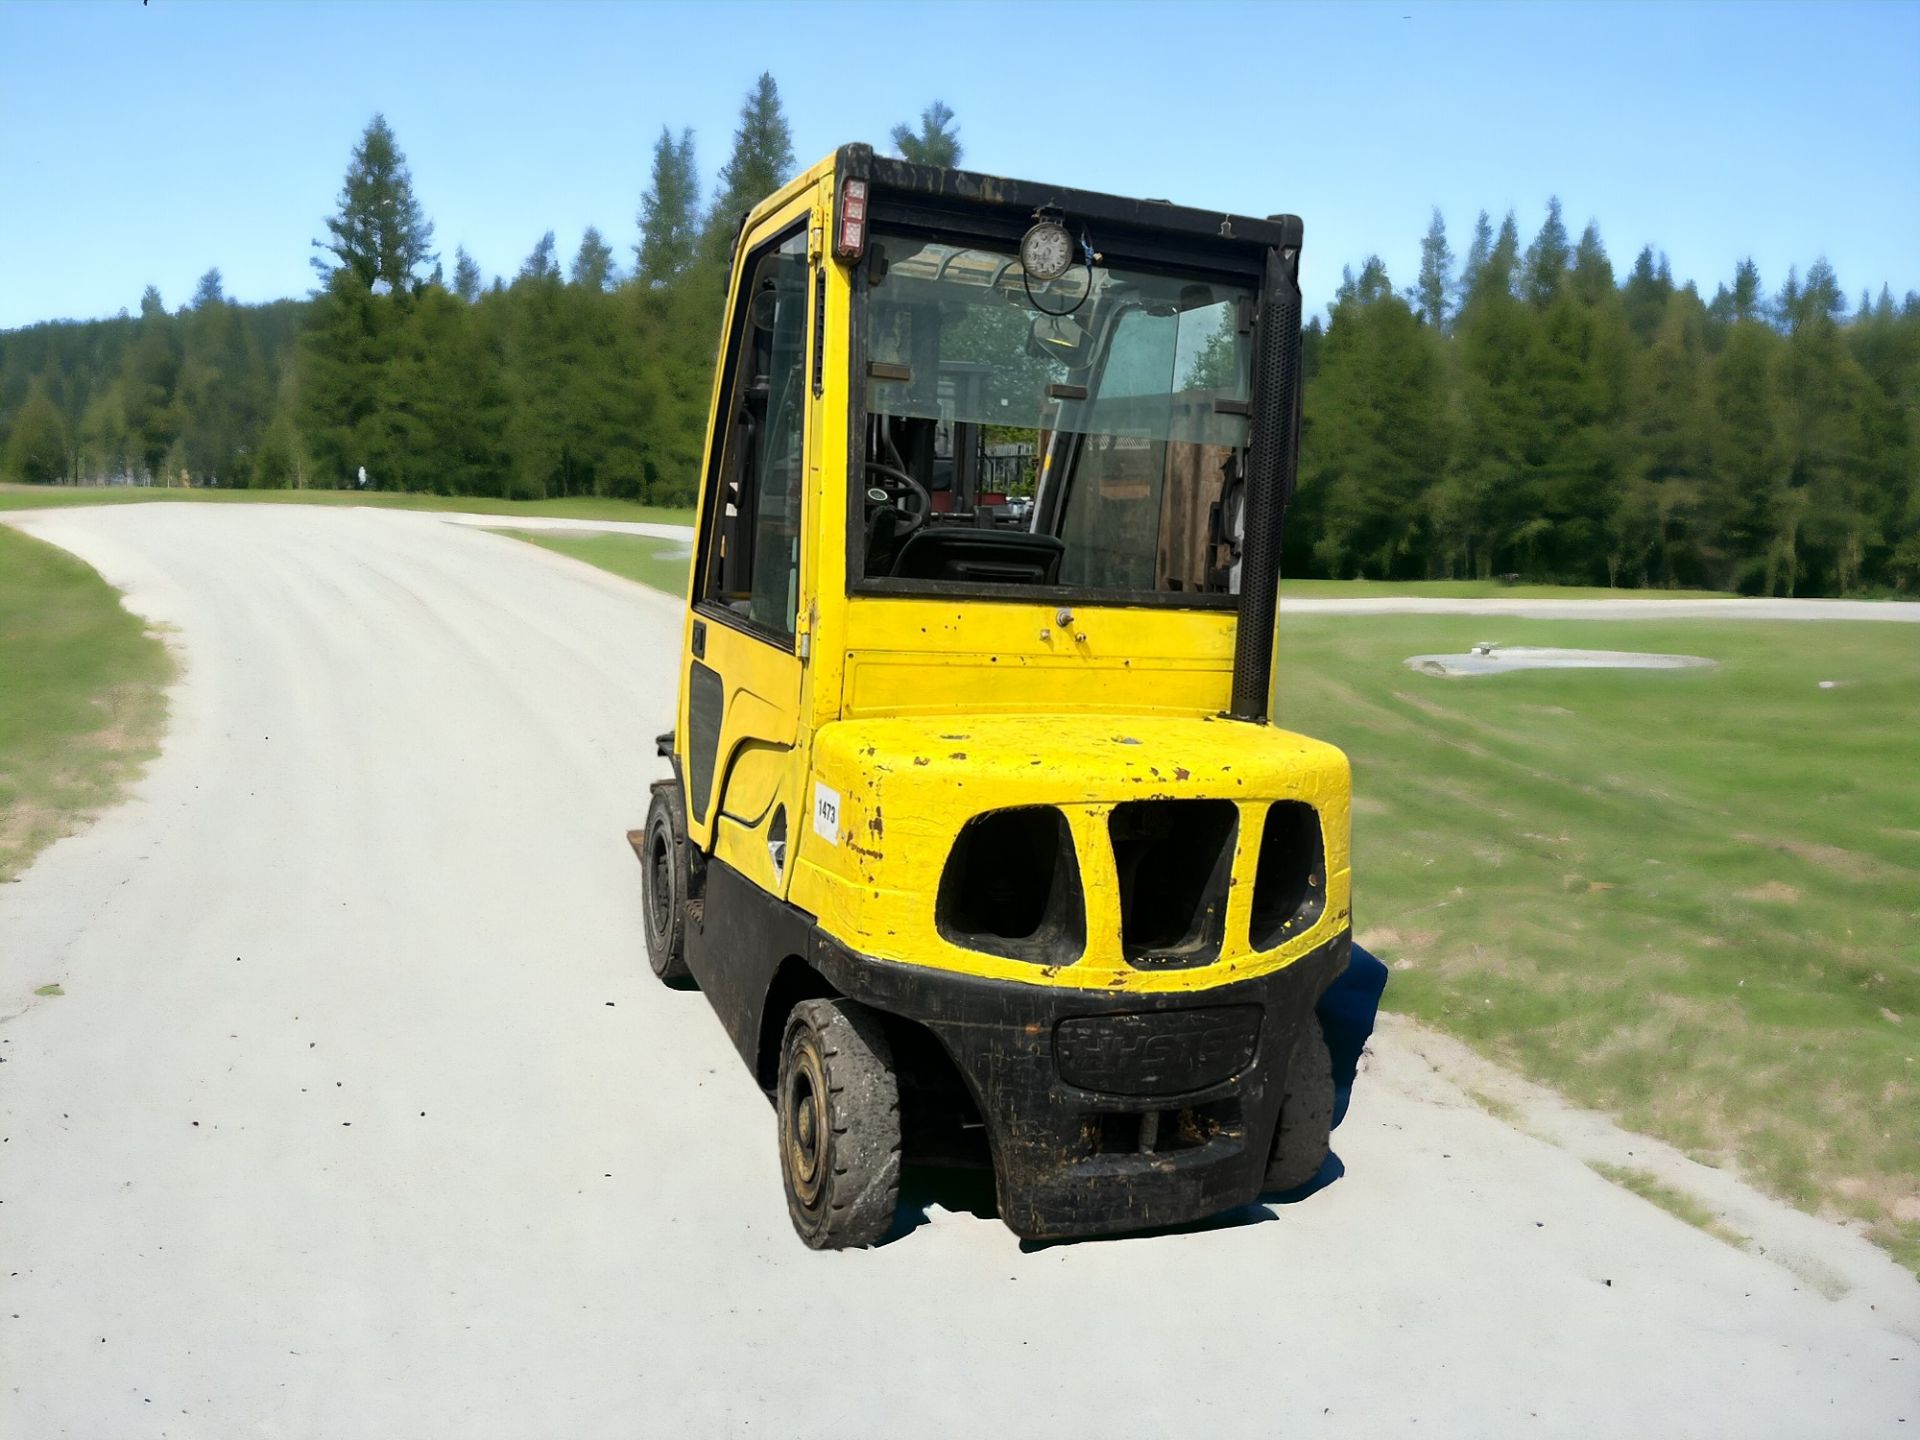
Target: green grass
(663,564)
(1503,1111)
(1473,590)
(1675,1202)
(1688,898)
(585,507)
(81,696)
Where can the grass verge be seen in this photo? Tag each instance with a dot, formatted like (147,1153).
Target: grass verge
(82,696)
(1690,898)
(584,507)
(1675,1202)
(663,564)
(1474,590)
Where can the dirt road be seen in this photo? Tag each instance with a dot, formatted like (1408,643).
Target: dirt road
(361,1114)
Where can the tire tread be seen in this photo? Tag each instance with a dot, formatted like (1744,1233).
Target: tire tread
(667,955)
(863,1095)
(1306,1112)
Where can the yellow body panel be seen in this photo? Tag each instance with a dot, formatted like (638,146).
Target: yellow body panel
(918,714)
(903,788)
(927,657)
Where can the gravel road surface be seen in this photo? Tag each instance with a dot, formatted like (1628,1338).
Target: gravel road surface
(361,1115)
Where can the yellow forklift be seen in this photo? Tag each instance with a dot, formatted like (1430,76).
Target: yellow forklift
(977,833)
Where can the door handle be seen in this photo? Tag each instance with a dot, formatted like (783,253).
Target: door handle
(699,639)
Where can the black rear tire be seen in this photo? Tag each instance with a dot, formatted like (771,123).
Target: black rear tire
(664,869)
(1306,1112)
(838,1106)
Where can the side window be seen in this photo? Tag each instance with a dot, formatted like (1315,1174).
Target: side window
(753,542)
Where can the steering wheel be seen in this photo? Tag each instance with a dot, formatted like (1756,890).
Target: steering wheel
(904,487)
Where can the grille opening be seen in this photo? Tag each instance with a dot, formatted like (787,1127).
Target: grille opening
(1174,859)
(1164,1132)
(1116,1134)
(1290,882)
(1012,887)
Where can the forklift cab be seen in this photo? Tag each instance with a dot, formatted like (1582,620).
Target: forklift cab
(977,837)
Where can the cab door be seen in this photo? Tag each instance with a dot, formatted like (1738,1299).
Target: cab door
(741,700)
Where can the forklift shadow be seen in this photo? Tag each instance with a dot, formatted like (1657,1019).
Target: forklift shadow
(1259,1212)
(962,1190)
(970,1192)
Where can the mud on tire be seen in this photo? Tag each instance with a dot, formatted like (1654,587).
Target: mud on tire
(838,1106)
(1306,1112)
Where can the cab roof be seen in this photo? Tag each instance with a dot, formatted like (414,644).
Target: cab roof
(931,192)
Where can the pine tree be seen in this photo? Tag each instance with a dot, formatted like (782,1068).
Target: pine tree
(358,407)
(593,262)
(669,213)
(1500,274)
(1748,451)
(761,161)
(1668,434)
(1592,270)
(1568,405)
(453,374)
(1478,253)
(105,447)
(466,275)
(379,232)
(222,388)
(347,349)
(937,142)
(1822,295)
(540,264)
(1483,499)
(1430,292)
(535,324)
(1375,436)
(1645,294)
(1786,304)
(1829,407)
(37,442)
(1547,259)
(1745,295)
(152,374)
(280,460)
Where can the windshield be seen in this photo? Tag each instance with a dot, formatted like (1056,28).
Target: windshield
(1087,431)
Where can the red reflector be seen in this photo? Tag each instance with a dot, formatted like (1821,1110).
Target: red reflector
(853,219)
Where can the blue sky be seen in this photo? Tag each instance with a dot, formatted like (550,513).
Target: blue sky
(142,144)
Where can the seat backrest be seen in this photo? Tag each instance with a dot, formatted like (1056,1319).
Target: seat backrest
(999,557)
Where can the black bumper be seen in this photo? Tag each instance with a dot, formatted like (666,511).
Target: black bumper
(1110,1111)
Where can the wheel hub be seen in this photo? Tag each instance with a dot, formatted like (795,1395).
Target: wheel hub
(803,1123)
(660,873)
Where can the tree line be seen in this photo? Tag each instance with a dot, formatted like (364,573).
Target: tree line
(1527,412)
(1512,411)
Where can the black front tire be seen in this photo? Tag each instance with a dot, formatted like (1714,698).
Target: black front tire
(1306,1112)
(838,1105)
(664,869)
